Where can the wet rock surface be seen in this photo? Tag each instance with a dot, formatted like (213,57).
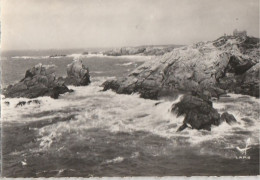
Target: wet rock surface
(199,113)
(22,103)
(228,64)
(77,74)
(7,103)
(228,118)
(40,80)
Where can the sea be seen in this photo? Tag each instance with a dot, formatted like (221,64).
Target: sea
(95,133)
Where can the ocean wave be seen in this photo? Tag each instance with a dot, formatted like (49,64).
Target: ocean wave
(115,160)
(136,58)
(39,57)
(116,113)
(125,64)
(78,56)
(30,57)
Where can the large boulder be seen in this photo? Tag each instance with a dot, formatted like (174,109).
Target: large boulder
(229,64)
(228,118)
(40,80)
(77,74)
(199,114)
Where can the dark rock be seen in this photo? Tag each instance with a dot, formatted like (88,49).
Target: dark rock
(203,94)
(182,127)
(35,101)
(57,90)
(157,103)
(250,82)
(57,55)
(21,103)
(247,83)
(38,81)
(148,93)
(7,103)
(28,74)
(199,114)
(77,74)
(225,96)
(229,118)
(239,65)
(111,84)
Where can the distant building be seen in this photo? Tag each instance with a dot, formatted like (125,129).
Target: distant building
(239,33)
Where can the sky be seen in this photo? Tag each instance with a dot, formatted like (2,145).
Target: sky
(65,24)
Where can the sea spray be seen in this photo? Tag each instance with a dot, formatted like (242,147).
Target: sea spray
(128,113)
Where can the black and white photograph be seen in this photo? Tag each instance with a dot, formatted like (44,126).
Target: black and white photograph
(129,88)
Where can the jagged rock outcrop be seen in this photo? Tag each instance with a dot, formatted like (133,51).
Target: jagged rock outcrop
(38,81)
(22,103)
(199,113)
(77,74)
(228,64)
(229,118)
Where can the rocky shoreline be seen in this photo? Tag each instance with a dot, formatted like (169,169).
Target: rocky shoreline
(141,50)
(201,71)
(228,64)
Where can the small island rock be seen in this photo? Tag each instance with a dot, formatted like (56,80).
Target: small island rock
(77,74)
(40,80)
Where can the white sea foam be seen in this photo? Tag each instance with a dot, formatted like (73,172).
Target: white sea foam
(30,57)
(125,64)
(96,72)
(129,113)
(38,57)
(115,160)
(135,57)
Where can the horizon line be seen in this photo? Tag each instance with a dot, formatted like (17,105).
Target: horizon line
(113,47)
(84,48)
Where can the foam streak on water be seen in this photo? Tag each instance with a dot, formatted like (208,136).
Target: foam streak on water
(73,116)
(129,113)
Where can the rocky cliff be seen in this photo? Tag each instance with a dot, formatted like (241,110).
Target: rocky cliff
(228,64)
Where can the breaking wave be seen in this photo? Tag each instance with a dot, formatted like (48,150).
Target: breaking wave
(126,64)
(91,108)
(30,57)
